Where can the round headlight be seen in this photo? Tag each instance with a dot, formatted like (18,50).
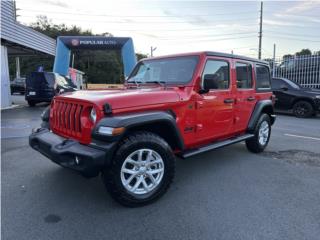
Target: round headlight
(93,115)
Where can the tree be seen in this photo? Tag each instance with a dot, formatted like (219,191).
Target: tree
(305,51)
(287,56)
(141,56)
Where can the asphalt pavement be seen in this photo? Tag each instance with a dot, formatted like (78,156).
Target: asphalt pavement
(228,193)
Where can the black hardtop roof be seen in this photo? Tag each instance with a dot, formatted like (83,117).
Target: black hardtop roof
(228,55)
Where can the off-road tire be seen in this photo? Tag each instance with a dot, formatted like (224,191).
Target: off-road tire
(253,144)
(111,175)
(303,109)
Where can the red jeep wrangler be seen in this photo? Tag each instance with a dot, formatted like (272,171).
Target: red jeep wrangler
(174,105)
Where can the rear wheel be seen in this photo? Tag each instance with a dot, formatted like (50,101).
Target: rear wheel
(261,135)
(142,170)
(31,103)
(303,109)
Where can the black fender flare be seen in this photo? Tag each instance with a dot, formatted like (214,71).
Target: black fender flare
(261,106)
(134,120)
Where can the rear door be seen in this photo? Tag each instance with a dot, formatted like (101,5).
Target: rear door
(215,108)
(245,94)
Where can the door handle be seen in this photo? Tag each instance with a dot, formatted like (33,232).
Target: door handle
(228,100)
(250,99)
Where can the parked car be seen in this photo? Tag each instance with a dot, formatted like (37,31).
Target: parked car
(173,105)
(304,102)
(18,85)
(43,86)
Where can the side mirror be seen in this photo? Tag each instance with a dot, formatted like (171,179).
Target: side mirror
(210,81)
(284,88)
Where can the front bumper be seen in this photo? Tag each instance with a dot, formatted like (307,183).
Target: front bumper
(88,160)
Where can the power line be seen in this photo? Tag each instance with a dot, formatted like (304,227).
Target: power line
(293,34)
(207,40)
(140,16)
(295,15)
(217,35)
(289,38)
(144,22)
(177,30)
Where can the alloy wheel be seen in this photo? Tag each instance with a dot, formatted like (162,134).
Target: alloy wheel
(142,171)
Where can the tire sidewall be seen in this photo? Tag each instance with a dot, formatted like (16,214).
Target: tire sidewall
(307,105)
(113,175)
(264,117)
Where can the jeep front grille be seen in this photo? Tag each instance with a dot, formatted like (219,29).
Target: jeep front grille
(66,118)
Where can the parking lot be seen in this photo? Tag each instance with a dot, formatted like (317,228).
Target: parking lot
(228,193)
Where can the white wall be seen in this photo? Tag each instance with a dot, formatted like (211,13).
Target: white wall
(5,81)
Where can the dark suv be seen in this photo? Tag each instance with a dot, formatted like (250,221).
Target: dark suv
(43,86)
(304,102)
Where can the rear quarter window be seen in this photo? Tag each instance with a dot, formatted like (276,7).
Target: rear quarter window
(263,79)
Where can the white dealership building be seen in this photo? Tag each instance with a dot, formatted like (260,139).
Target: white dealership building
(18,40)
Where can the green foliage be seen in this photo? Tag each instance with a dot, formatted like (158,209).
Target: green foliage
(288,56)
(99,66)
(304,52)
(141,56)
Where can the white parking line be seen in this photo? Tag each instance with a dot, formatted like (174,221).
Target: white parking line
(298,136)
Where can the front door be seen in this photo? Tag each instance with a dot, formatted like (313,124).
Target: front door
(282,92)
(215,108)
(245,100)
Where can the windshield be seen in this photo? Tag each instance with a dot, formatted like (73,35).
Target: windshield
(64,82)
(168,70)
(292,84)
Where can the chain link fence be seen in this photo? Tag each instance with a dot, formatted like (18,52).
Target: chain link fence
(304,70)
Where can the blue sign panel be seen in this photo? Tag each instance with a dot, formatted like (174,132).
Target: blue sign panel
(66,43)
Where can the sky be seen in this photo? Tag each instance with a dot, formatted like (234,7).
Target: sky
(188,26)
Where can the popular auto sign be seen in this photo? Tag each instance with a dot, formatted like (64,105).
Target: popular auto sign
(83,42)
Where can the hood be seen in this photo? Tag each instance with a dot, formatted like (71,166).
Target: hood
(124,98)
(313,91)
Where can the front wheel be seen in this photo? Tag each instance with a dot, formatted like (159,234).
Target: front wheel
(303,109)
(262,134)
(142,170)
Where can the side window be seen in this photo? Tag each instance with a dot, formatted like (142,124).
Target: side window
(276,83)
(244,75)
(263,77)
(217,74)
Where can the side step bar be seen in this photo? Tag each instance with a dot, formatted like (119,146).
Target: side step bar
(215,145)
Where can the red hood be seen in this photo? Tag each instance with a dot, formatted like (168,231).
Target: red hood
(124,98)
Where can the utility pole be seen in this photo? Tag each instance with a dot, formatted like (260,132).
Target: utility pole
(274,60)
(152,49)
(260,31)
(16,15)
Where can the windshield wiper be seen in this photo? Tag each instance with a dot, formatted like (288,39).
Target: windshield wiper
(135,82)
(161,83)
